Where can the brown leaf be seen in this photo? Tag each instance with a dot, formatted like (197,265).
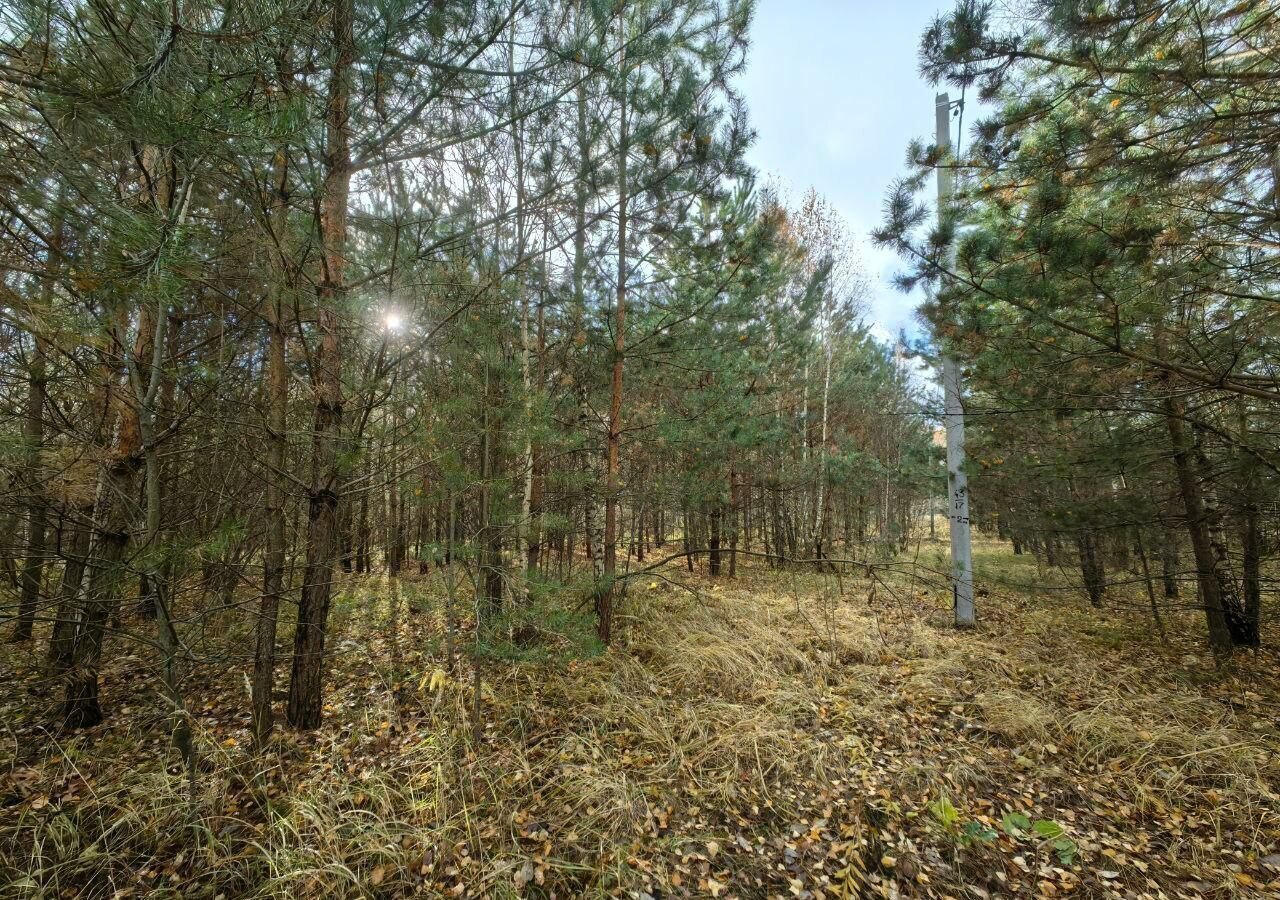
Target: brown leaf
(523,875)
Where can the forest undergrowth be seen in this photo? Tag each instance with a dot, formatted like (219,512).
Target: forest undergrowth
(773,735)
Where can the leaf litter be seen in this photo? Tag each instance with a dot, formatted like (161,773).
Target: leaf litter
(791,736)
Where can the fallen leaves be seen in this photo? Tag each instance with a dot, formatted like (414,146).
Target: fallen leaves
(728,753)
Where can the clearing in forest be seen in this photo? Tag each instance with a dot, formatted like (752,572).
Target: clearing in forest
(781,734)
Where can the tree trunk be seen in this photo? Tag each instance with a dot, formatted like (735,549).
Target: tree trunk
(1169,565)
(116,489)
(537,461)
(37,508)
(147,375)
(264,658)
(1198,529)
(735,515)
(1151,588)
(37,386)
(1251,541)
(305,683)
(81,707)
(1243,630)
(604,599)
(64,620)
(688,541)
(347,537)
(490,540)
(713,540)
(364,550)
(1091,566)
(149,349)
(395,533)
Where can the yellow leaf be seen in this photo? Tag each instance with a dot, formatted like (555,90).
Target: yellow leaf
(229,742)
(433,681)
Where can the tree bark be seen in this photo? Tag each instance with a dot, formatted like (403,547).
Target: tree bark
(65,622)
(605,598)
(715,519)
(1251,541)
(1169,562)
(538,465)
(37,507)
(33,436)
(1198,529)
(1091,566)
(117,489)
(395,531)
(489,539)
(305,683)
(735,517)
(1243,630)
(273,555)
(364,551)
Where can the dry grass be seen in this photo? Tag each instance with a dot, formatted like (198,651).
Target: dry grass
(728,749)
(1015,715)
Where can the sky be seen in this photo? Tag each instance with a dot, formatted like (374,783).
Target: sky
(835,96)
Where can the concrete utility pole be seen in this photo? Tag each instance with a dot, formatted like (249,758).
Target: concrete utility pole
(957,481)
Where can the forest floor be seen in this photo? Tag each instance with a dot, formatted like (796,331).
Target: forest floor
(774,735)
